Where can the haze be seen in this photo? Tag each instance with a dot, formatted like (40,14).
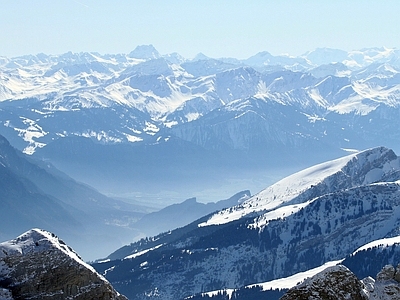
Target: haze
(216,28)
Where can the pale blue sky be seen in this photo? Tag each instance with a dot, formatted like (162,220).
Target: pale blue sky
(217,28)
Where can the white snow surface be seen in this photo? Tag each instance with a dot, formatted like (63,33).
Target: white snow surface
(294,192)
(278,213)
(292,281)
(139,253)
(386,242)
(280,193)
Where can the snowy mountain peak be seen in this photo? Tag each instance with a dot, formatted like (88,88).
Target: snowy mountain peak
(200,56)
(145,52)
(34,241)
(38,265)
(295,191)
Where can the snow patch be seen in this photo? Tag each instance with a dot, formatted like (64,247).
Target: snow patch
(279,213)
(292,281)
(139,253)
(132,138)
(386,242)
(192,116)
(151,129)
(350,150)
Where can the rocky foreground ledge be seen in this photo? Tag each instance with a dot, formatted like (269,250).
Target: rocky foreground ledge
(38,265)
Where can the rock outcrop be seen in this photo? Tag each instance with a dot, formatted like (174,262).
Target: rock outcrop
(387,284)
(339,282)
(334,283)
(38,265)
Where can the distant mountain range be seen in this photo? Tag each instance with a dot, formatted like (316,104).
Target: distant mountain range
(341,211)
(181,214)
(119,121)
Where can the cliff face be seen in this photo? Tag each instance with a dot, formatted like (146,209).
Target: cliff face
(38,265)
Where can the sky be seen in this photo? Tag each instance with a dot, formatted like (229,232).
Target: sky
(216,28)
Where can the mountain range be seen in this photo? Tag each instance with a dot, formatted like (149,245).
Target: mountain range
(151,129)
(119,122)
(323,214)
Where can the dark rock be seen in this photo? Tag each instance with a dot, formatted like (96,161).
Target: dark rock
(334,283)
(387,273)
(37,265)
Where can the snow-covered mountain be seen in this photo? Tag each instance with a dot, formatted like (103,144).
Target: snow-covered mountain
(322,102)
(293,192)
(39,265)
(318,215)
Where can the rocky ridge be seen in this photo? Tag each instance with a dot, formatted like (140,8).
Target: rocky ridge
(38,265)
(336,282)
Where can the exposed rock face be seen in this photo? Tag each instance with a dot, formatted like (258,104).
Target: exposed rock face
(334,283)
(38,265)
(387,284)
(339,282)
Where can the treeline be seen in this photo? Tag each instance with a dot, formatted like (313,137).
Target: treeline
(246,293)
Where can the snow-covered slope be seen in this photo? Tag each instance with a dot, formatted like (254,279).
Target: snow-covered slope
(295,192)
